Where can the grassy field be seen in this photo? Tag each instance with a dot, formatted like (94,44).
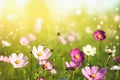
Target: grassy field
(22,23)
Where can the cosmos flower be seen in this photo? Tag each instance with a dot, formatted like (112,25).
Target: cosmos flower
(72,65)
(110,51)
(46,65)
(24,41)
(4,59)
(115,67)
(42,78)
(77,55)
(72,37)
(41,53)
(62,39)
(18,61)
(31,37)
(93,73)
(6,43)
(99,35)
(117,58)
(89,50)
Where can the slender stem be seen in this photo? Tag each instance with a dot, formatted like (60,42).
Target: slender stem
(97,54)
(88,60)
(73,75)
(31,67)
(117,74)
(107,60)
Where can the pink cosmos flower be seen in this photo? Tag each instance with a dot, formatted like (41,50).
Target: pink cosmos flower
(72,37)
(31,37)
(41,53)
(42,78)
(77,55)
(24,41)
(62,39)
(99,35)
(4,59)
(18,61)
(72,65)
(93,73)
(46,65)
(117,58)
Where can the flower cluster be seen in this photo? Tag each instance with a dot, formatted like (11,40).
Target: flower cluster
(42,54)
(77,58)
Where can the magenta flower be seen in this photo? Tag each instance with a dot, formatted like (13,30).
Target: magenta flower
(46,65)
(93,73)
(72,65)
(77,55)
(117,58)
(99,35)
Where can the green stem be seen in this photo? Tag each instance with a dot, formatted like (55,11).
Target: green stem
(108,59)
(31,67)
(88,61)
(97,54)
(73,75)
(117,74)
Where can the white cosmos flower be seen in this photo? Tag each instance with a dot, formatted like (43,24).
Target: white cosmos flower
(115,67)
(89,50)
(6,43)
(41,53)
(18,61)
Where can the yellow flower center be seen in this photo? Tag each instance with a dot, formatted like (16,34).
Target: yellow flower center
(17,61)
(45,65)
(39,54)
(99,36)
(88,51)
(77,56)
(93,75)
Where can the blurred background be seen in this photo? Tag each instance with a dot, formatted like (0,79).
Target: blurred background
(44,19)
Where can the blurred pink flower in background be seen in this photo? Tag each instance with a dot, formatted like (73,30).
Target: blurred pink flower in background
(42,78)
(72,37)
(18,61)
(62,40)
(4,59)
(31,37)
(117,58)
(41,53)
(24,41)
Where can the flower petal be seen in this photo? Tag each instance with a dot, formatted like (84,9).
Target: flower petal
(101,74)
(85,73)
(94,69)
